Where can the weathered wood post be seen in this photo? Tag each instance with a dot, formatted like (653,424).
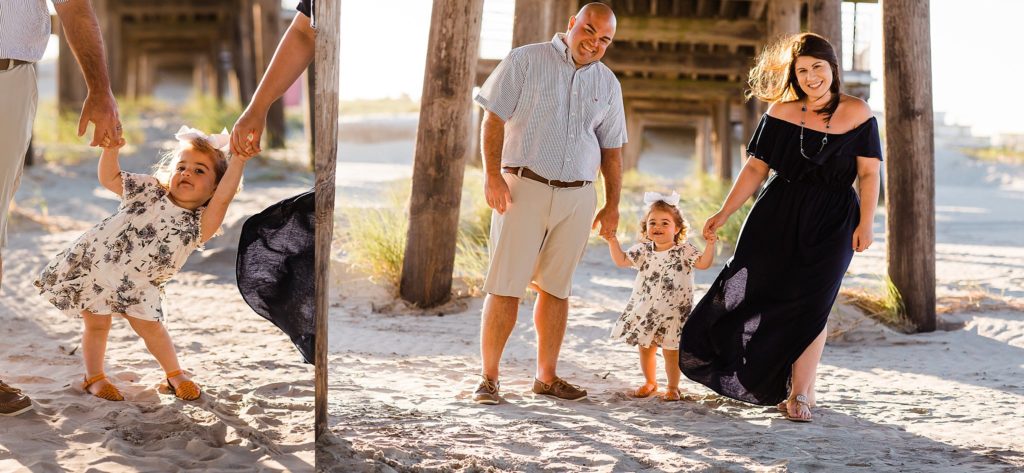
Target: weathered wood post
(245,56)
(635,133)
(530,22)
(441,155)
(266,35)
(700,147)
(825,17)
(910,158)
(326,64)
(559,12)
(71,87)
(721,134)
(783,18)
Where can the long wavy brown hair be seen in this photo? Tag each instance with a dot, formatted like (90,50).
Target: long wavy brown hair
(773,78)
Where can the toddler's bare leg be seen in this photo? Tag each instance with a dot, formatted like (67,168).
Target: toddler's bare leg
(649,366)
(673,373)
(672,367)
(94,346)
(94,341)
(158,341)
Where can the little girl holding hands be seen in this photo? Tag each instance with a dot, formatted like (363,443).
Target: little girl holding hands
(663,290)
(120,266)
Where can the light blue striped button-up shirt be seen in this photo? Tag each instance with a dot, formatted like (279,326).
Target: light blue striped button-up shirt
(24,29)
(557,118)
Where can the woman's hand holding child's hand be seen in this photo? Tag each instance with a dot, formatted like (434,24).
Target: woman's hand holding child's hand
(710,236)
(118,145)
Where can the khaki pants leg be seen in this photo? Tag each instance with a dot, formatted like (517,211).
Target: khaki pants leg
(540,238)
(568,230)
(516,237)
(18,103)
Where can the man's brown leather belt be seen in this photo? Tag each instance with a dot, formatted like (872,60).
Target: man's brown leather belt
(527,173)
(6,64)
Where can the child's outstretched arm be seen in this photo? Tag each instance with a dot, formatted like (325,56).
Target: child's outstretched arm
(618,256)
(213,216)
(108,171)
(707,258)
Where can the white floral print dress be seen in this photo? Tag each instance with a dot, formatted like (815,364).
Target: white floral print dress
(662,295)
(120,266)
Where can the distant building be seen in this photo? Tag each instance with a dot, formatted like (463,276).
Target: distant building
(950,135)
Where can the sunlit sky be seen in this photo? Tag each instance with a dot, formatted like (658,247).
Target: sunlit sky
(975,75)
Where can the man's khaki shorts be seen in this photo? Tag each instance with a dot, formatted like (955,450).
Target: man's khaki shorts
(540,238)
(18,99)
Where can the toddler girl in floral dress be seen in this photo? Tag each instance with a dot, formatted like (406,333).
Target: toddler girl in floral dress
(663,290)
(120,266)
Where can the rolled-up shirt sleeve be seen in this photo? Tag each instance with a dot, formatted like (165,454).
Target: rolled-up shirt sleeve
(611,132)
(500,92)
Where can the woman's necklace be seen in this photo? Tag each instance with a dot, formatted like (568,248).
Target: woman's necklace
(824,140)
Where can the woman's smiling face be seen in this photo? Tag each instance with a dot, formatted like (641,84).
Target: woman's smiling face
(814,75)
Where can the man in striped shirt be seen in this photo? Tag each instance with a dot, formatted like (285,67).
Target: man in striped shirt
(24,32)
(553,117)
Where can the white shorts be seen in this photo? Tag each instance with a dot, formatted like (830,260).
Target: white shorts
(541,237)
(18,103)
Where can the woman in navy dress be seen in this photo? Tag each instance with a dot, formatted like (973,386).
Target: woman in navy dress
(758,334)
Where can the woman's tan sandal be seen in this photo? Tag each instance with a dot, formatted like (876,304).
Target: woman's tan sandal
(108,392)
(186,390)
(801,401)
(671,394)
(783,409)
(644,391)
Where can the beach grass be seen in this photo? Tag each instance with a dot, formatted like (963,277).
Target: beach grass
(996,154)
(55,132)
(882,303)
(204,113)
(375,237)
(381,106)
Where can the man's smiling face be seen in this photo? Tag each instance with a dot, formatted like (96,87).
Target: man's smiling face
(590,33)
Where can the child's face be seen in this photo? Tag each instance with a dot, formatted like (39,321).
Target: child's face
(661,227)
(194,178)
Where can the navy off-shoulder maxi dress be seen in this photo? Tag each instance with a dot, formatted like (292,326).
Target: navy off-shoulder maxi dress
(774,295)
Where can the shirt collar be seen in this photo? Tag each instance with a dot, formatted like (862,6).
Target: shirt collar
(558,42)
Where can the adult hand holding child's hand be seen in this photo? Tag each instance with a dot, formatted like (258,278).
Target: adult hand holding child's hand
(101,110)
(608,220)
(106,144)
(710,237)
(715,222)
(245,135)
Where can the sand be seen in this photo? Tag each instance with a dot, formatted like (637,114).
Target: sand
(401,381)
(257,410)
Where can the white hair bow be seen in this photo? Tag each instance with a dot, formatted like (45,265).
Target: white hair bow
(652,197)
(218,141)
